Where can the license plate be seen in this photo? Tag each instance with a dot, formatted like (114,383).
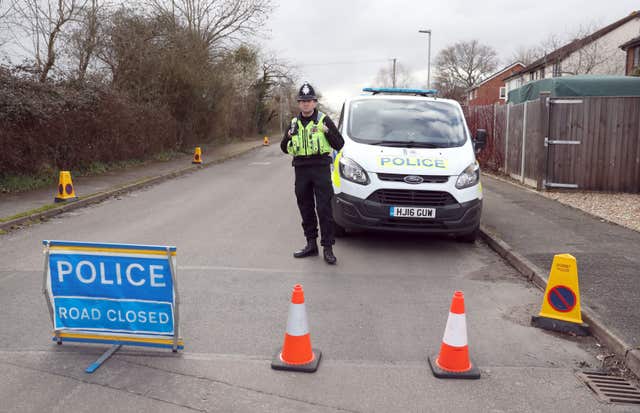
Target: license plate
(412,212)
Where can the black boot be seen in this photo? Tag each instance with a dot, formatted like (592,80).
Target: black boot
(328,255)
(311,249)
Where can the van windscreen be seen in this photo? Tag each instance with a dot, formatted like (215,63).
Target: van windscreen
(407,123)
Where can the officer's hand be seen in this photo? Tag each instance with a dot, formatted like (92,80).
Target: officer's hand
(325,129)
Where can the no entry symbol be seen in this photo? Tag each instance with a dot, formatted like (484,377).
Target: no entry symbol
(561,298)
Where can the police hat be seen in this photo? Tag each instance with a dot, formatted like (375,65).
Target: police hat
(306,92)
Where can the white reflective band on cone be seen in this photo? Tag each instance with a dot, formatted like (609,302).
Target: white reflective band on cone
(297,320)
(455,333)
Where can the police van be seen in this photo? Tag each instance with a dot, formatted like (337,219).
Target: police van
(408,164)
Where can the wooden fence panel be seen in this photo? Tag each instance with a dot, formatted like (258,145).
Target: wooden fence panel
(608,129)
(607,158)
(499,136)
(566,125)
(532,143)
(514,141)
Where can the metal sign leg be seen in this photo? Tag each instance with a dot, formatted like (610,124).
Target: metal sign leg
(96,364)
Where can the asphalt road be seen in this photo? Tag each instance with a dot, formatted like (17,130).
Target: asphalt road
(376,316)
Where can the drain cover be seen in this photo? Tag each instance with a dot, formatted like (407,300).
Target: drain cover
(610,388)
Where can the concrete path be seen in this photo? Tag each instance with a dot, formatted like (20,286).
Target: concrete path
(16,203)
(608,255)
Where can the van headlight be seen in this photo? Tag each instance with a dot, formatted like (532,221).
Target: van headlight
(469,177)
(351,171)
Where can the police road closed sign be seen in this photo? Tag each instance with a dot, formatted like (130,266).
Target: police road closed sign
(112,293)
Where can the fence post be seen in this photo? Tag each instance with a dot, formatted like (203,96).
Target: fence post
(493,135)
(506,141)
(545,119)
(524,140)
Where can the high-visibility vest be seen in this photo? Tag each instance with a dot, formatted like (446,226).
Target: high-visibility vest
(308,140)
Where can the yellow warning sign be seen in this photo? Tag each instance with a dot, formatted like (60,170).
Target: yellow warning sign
(197,156)
(265,141)
(65,192)
(562,297)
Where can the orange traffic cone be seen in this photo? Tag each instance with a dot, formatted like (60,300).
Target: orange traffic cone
(197,156)
(296,353)
(265,142)
(66,192)
(453,361)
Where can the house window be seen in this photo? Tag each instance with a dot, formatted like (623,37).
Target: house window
(532,76)
(503,92)
(557,69)
(636,56)
(542,73)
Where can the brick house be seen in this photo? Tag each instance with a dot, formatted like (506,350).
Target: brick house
(632,48)
(596,54)
(492,90)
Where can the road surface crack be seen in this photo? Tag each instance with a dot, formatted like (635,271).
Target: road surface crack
(238,386)
(101,385)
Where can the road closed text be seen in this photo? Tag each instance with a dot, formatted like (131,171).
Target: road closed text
(116,315)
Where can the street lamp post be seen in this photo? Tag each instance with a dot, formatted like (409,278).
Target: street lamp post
(428,58)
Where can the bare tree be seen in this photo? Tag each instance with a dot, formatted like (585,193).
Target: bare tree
(467,63)
(215,21)
(6,9)
(592,57)
(526,55)
(448,88)
(82,43)
(596,56)
(44,21)
(384,78)
(275,76)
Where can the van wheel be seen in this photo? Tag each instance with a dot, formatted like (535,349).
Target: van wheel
(339,231)
(469,238)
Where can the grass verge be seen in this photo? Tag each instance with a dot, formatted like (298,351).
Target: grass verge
(23,183)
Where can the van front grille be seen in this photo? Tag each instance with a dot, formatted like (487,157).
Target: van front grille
(428,179)
(412,197)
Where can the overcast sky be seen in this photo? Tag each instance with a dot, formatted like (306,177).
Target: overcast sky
(312,34)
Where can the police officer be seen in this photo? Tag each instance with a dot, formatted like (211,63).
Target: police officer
(311,138)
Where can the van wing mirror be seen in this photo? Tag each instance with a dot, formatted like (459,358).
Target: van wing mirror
(481,139)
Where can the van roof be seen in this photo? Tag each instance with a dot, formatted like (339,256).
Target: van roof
(367,96)
(400,91)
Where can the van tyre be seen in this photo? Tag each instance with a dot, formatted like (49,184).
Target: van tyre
(469,238)
(338,230)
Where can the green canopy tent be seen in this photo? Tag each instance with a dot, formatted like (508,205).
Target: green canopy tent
(581,85)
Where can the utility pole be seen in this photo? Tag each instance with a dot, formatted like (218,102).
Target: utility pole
(428,58)
(394,72)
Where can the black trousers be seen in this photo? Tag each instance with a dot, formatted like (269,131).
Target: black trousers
(314,192)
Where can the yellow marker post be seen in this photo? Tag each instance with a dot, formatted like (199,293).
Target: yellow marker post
(197,156)
(66,191)
(265,142)
(561,303)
